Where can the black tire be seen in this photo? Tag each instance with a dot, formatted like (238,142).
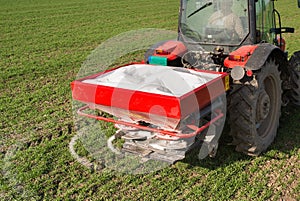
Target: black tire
(255,111)
(295,64)
(296,91)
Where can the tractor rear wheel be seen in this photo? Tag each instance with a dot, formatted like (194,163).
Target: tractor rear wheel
(254,111)
(295,63)
(296,91)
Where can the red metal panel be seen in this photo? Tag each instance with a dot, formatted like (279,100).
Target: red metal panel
(138,105)
(171,49)
(244,51)
(126,99)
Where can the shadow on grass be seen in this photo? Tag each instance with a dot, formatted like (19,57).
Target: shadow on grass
(288,136)
(287,142)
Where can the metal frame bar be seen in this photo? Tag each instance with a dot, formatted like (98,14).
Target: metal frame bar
(177,134)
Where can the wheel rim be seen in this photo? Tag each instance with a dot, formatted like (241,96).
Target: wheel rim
(267,107)
(263,107)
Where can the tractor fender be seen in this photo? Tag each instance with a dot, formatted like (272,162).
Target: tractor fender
(262,53)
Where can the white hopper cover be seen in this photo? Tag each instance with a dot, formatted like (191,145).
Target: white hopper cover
(163,80)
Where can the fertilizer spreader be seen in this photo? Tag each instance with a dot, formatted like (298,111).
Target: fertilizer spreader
(160,111)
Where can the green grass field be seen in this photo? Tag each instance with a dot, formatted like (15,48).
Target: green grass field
(42,47)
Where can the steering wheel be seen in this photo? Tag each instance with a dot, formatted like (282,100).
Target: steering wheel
(231,34)
(223,33)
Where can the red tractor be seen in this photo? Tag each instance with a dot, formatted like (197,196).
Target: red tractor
(240,40)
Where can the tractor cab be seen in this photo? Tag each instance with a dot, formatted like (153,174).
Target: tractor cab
(214,22)
(230,23)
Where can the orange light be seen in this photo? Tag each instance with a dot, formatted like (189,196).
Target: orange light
(237,58)
(162,52)
(159,51)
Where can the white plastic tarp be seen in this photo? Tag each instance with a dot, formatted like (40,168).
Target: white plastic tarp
(164,80)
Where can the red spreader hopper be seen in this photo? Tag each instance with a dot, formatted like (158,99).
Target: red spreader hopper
(156,99)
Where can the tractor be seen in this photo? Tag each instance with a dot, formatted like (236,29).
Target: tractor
(240,40)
